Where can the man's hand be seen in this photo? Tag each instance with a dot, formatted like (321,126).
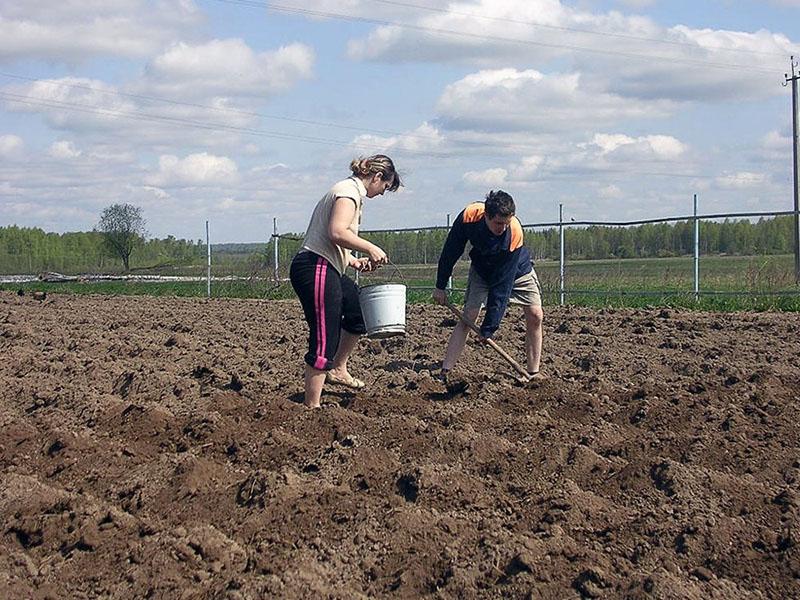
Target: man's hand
(440,296)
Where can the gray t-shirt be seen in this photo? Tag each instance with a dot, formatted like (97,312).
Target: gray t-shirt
(317,238)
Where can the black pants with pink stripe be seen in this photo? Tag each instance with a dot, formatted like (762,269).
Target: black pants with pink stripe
(330,303)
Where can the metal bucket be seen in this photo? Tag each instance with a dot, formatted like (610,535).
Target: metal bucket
(384,309)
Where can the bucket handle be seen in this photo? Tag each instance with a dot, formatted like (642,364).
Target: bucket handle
(395,271)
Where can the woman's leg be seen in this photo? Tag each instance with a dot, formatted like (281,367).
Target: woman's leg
(317,285)
(314,381)
(347,343)
(353,328)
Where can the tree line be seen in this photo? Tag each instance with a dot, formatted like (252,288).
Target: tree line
(32,250)
(734,237)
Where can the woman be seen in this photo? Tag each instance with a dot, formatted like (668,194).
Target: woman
(328,296)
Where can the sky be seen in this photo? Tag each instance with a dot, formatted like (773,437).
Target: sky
(238,112)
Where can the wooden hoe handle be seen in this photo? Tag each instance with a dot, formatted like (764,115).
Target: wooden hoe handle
(490,341)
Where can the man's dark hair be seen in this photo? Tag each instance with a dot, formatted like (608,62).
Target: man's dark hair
(499,203)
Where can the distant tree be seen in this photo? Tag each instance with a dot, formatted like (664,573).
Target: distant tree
(123,229)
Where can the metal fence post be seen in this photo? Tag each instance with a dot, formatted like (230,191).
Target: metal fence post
(795,168)
(208,271)
(450,279)
(696,253)
(275,246)
(561,252)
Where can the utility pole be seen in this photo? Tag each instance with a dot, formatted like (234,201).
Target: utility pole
(796,167)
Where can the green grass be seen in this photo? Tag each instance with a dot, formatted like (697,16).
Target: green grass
(742,283)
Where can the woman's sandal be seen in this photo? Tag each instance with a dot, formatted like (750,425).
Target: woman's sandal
(353,382)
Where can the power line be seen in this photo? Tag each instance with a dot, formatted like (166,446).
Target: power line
(359,19)
(137,116)
(89,109)
(60,104)
(32,101)
(232,111)
(57,104)
(82,107)
(574,29)
(410,136)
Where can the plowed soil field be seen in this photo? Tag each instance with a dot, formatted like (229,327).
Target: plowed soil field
(157,448)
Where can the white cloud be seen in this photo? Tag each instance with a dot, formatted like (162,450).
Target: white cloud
(191,75)
(195,170)
(71,102)
(610,192)
(741,180)
(11,146)
(425,138)
(776,141)
(157,192)
(73,30)
(662,147)
(602,163)
(270,168)
(488,177)
(64,150)
(508,99)
(227,68)
(637,4)
(528,167)
(644,59)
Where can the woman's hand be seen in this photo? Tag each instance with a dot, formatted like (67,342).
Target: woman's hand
(363,265)
(377,256)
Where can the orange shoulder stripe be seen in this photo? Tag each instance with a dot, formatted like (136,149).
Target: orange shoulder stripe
(517,235)
(474,212)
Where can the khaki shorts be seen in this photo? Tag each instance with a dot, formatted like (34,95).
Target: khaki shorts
(526,291)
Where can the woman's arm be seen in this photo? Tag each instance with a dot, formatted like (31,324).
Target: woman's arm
(344,210)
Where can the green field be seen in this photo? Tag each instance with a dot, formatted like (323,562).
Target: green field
(727,283)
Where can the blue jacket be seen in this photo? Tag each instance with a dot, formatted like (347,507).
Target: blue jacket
(498,259)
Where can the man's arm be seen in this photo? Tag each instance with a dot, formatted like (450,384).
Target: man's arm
(453,249)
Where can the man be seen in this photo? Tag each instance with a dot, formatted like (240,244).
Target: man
(501,271)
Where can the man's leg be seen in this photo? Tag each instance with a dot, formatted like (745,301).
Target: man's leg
(533,336)
(458,339)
